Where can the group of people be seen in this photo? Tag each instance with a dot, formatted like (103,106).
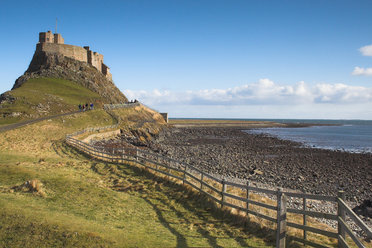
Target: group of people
(84,107)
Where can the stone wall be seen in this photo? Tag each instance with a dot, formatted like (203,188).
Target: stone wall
(58,39)
(74,52)
(106,71)
(165,116)
(96,60)
(49,37)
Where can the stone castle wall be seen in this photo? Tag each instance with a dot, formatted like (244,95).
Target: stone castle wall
(74,52)
(95,59)
(54,43)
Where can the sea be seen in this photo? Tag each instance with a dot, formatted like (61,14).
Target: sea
(346,135)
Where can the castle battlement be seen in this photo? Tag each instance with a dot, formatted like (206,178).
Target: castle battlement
(49,37)
(54,43)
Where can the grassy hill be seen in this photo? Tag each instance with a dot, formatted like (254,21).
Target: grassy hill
(76,203)
(45,96)
(53,196)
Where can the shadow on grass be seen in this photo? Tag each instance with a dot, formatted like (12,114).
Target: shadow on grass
(203,232)
(181,240)
(194,202)
(199,208)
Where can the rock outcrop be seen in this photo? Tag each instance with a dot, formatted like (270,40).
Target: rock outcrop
(55,65)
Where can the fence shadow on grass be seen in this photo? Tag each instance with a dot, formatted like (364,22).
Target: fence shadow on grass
(181,240)
(194,203)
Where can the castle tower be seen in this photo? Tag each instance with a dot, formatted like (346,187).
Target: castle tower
(58,39)
(46,37)
(49,37)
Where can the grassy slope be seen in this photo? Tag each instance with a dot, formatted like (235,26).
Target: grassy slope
(94,204)
(82,208)
(55,96)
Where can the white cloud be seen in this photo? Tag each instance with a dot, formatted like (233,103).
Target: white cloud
(303,111)
(362,71)
(264,92)
(366,50)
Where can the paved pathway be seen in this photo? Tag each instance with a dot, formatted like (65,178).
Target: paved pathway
(24,123)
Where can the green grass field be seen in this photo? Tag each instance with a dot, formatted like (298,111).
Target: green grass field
(87,203)
(46,96)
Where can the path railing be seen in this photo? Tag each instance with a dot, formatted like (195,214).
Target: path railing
(222,192)
(91,129)
(126,105)
(120,105)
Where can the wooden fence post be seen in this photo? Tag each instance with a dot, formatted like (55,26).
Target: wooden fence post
(201,181)
(341,214)
(304,218)
(122,155)
(281,219)
(169,168)
(247,204)
(222,192)
(184,174)
(112,155)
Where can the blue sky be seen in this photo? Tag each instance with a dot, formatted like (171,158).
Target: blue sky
(227,59)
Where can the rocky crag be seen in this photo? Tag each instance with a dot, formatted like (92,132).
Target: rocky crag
(54,59)
(54,65)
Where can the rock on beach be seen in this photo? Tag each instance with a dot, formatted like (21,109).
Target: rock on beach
(230,152)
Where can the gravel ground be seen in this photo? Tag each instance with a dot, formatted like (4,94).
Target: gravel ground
(235,154)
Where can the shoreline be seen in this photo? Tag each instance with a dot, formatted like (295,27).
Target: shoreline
(241,124)
(231,152)
(225,148)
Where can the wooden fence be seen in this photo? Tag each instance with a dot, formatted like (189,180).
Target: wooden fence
(92,129)
(219,190)
(126,105)
(121,105)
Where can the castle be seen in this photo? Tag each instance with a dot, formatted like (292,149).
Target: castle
(54,43)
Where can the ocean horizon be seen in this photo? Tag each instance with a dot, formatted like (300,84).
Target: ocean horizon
(342,135)
(279,120)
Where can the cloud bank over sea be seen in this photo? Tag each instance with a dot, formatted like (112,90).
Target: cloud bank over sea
(263,92)
(264,99)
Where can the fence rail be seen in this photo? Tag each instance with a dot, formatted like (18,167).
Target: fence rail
(120,105)
(217,190)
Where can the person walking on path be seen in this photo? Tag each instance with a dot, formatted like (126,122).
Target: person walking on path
(91,106)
